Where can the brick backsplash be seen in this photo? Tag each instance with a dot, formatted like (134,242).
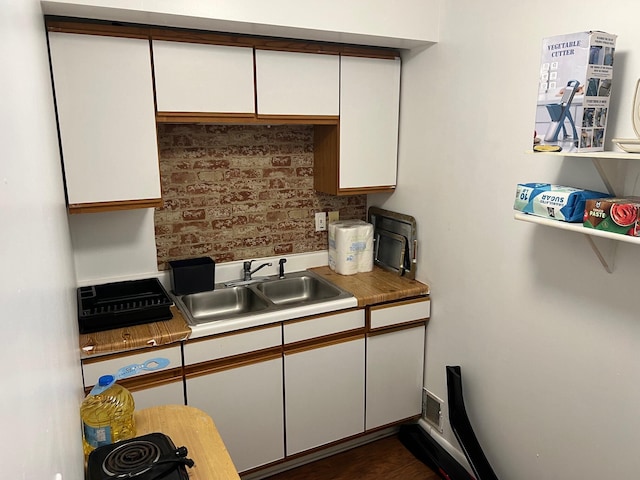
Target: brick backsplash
(235,192)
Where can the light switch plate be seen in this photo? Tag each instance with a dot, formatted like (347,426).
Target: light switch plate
(321,221)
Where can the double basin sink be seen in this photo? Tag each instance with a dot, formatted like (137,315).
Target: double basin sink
(261,295)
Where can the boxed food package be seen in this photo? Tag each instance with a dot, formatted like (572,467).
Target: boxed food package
(576,72)
(616,215)
(553,201)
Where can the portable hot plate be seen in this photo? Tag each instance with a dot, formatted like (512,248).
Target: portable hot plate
(148,457)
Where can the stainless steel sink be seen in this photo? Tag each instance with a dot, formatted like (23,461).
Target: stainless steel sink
(295,290)
(261,295)
(223,303)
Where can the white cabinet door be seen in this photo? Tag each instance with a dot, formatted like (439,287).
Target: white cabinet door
(291,83)
(369,108)
(324,394)
(167,394)
(104,97)
(395,365)
(203,78)
(246,406)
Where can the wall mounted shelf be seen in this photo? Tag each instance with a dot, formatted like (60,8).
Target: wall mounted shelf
(602,243)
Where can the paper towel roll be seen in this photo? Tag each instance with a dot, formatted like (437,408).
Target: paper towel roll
(350,246)
(365,261)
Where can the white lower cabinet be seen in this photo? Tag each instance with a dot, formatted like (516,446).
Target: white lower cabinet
(171,393)
(245,403)
(237,379)
(395,365)
(324,394)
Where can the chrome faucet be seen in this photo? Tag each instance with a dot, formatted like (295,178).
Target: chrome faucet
(281,263)
(247,272)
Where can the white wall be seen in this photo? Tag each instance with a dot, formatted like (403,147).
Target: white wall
(41,378)
(547,340)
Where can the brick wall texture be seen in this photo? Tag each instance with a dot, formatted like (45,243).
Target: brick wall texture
(237,192)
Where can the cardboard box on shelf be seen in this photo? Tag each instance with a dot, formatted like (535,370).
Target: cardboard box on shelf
(576,72)
(616,215)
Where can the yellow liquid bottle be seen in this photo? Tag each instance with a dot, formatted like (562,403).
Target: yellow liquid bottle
(107,415)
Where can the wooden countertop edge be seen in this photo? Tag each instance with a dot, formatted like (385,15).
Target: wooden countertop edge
(118,340)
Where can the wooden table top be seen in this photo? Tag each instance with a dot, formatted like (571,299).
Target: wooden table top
(376,286)
(194,429)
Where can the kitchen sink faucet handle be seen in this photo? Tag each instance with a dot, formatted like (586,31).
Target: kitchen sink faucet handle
(246,269)
(281,263)
(247,272)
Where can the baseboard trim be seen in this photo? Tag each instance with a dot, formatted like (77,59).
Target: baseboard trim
(285,465)
(451,450)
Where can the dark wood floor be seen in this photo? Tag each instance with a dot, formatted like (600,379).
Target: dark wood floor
(385,459)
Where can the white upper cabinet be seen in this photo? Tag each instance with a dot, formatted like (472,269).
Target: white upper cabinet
(369,108)
(291,83)
(104,97)
(203,78)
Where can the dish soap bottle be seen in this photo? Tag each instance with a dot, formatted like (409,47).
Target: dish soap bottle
(107,414)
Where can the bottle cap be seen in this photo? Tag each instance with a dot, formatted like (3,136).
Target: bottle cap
(105,380)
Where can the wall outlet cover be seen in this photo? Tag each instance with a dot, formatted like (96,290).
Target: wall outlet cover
(321,221)
(333,216)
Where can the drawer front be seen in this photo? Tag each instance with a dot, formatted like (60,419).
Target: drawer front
(401,312)
(94,369)
(235,344)
(321,326)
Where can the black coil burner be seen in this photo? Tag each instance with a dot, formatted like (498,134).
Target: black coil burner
(149,457)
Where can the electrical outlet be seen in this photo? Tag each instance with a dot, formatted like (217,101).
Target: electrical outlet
(432,409)
(333,216)
(321,221)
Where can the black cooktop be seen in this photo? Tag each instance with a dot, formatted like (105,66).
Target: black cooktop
(148,457)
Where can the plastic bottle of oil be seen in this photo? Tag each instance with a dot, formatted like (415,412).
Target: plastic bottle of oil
(107,414)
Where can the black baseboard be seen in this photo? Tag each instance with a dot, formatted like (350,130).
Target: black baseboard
(429,452)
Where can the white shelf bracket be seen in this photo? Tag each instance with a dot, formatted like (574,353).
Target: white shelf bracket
(611,176)
(606,251)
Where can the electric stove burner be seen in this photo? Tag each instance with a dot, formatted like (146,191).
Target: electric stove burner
(130,457)
(149,457)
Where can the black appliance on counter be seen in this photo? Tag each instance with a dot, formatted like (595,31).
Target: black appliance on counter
(148,457)
(122,304)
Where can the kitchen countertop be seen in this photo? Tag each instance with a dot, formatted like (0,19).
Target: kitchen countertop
(377,286)
(194,429)
(133,338)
